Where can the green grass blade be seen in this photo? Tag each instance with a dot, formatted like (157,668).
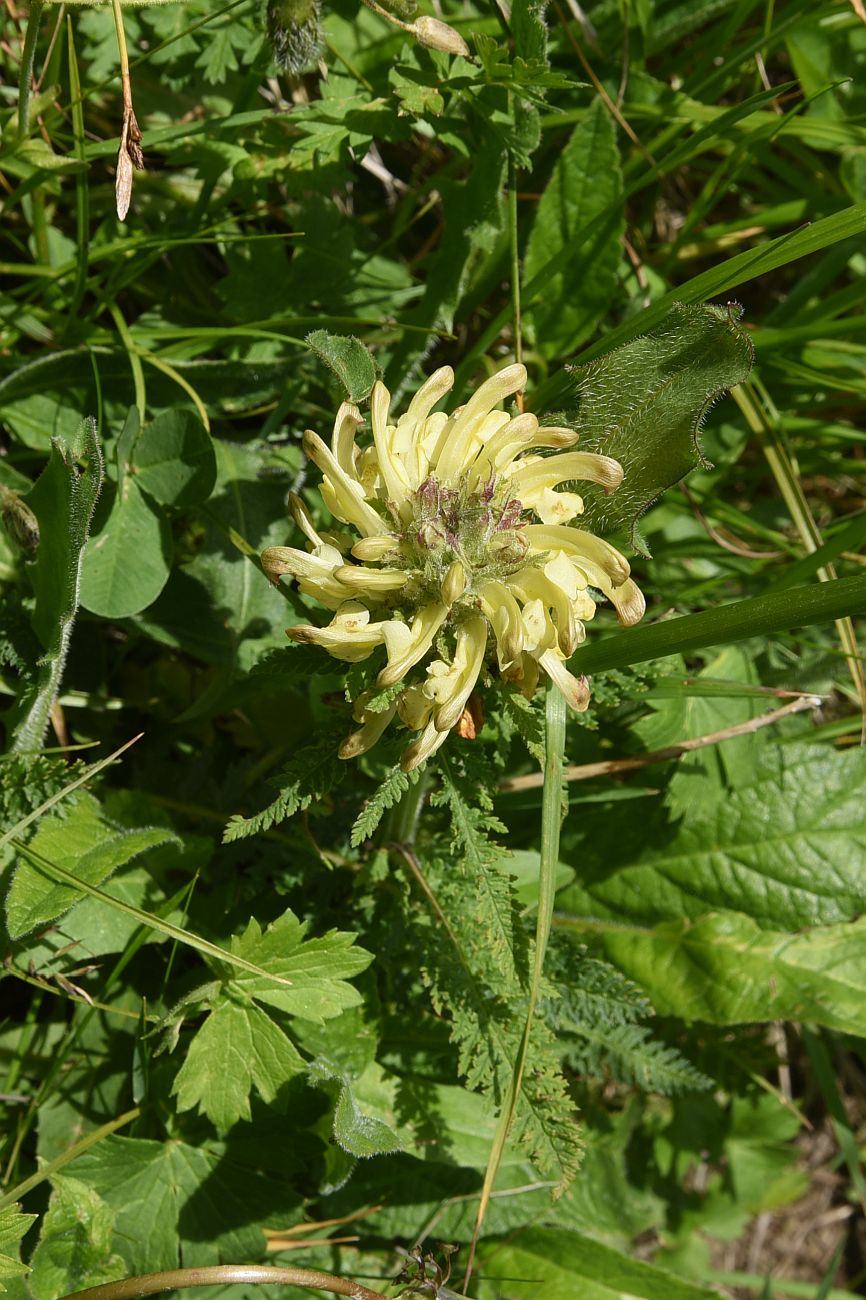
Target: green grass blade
(758,616)
(55,872)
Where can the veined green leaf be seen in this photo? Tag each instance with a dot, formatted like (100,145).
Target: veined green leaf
(726,969)
(173,459)
(787,849)
(312,972)
(126,564)
(578,281)
(237,1048)
(162,1216)
(74,1248)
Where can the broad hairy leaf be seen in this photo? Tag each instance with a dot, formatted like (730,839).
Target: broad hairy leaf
(85,841)
(741,909)
(364,1121)
(577,275)
(726,969)
(348,359)
(176,1204)
(63,500)
(644,403)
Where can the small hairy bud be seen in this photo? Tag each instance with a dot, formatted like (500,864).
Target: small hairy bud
(437,35)
(19,520)
(295,33)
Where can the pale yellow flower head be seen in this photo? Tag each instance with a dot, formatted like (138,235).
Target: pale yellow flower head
(464,560)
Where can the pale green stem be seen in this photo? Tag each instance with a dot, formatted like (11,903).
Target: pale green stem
(134,359)
(123,54)
(551,824)
(226,1275)
(82,187)
(516,319)
(380,12)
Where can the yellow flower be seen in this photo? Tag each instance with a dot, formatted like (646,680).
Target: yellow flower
(465,555)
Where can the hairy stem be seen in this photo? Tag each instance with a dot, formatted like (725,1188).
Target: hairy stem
(28,58)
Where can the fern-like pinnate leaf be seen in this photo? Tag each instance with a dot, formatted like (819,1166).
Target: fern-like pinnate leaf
(596,1017)
(527,720)
(500,946)
(389,793)
(309,776)
(487,1012)
(631,1055)
(475,956)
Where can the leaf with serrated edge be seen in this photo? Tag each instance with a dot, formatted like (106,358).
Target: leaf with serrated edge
(237,1048)
(13,1225)
(74,1248)
(725,969)
(178,1204)
(317,968)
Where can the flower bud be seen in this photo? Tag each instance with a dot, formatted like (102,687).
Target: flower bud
(453,584)
(19,520)
(295,33)
(437,35)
